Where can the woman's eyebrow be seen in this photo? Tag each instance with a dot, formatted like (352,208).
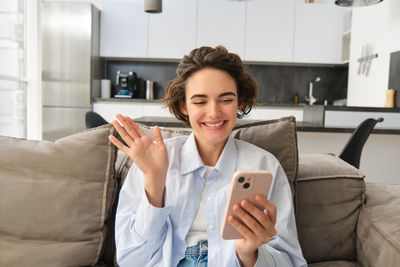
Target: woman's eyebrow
(205,96)
(198,95)
(227,93)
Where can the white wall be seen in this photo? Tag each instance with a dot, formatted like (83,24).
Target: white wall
(378,25)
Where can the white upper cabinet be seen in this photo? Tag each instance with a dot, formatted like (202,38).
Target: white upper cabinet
(123,31)
(221,22)
(172,33)
(318,33)
(258,30)
(269,30)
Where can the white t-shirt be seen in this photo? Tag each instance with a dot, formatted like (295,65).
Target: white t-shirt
(198,230)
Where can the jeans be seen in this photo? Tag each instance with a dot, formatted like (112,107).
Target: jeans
(195,256)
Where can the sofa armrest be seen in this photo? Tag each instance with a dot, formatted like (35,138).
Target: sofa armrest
(329,195)
(378,228)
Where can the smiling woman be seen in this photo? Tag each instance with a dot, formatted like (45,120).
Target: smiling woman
(176,220)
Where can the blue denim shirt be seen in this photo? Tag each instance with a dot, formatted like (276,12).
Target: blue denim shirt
(151,236)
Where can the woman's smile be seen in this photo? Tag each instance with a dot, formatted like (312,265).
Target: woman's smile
(214,125)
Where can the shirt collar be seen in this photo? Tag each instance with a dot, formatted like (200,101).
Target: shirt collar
(227,161)
(191,160)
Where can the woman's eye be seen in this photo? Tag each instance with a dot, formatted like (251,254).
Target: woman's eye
(227,100)
(199,102)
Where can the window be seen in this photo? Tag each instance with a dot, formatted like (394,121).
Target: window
(13,68)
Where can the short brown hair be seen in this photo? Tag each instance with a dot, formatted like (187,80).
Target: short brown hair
(217,58)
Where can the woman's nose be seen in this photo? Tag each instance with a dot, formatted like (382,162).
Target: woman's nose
(214,110)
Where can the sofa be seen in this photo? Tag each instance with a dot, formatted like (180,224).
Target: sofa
(58,200)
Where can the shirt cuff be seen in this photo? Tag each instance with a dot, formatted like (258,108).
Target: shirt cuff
(150,221)
(264,258)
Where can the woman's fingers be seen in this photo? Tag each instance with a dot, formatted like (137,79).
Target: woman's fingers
(242,229)
(129,128)
(158,137)
(135,126)
(269,206)
(126,137)
(259,216)
(247,219)
(256,220)
(118,144)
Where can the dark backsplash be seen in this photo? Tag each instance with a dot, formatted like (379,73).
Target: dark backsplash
(277,84)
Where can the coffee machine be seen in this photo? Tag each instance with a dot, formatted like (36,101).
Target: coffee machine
(126,85)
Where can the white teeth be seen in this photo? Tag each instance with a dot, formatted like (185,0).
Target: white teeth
(214,125)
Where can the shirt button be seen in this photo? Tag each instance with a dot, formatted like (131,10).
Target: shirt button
(213,255)
(211,227)
(209,198)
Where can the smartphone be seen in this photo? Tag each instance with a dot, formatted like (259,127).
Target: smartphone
(244,185)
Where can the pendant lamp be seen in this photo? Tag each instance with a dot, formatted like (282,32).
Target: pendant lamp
(153,6)
(357,2)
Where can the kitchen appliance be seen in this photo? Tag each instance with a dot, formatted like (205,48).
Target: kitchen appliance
(71,67)
(126,85)
(149,90)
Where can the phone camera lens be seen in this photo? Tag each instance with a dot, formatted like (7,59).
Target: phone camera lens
(241,179)
(246,185)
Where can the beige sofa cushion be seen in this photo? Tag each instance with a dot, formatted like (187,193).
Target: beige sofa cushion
(378,229)
(335,264)
(55,199)
(276,136)
(330,193)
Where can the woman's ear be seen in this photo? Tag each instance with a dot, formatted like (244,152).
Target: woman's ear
(240,105)
(182,106)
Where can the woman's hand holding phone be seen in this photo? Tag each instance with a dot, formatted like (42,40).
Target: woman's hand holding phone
(151,158)
(257,227)
(250,217)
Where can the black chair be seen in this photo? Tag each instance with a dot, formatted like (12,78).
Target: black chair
(351,152)
(93,119)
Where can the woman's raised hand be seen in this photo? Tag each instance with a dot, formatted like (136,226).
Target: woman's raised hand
(151,158)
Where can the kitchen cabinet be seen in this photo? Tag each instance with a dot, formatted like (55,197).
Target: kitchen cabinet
(134,109)
(318,33)
(221,22)
(123,31)
(259,30)
(269,31)
(172,33)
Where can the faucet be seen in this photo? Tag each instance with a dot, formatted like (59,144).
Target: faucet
(310,98)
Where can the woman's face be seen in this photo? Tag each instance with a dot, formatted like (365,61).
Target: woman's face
(211,104)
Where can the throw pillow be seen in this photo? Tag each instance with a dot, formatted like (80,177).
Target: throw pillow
(276,136)
(55,199)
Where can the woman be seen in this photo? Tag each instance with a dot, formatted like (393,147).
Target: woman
(171,205)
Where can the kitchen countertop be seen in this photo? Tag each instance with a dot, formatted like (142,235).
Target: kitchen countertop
(300,125)
(283,105)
